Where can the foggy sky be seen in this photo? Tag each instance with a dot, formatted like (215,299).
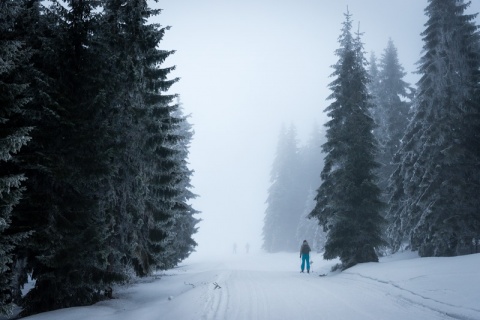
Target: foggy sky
(248,66)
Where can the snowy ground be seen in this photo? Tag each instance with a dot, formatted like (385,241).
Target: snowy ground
(269,286)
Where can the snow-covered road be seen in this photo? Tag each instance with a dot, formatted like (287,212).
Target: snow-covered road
(288,294)
(269,286)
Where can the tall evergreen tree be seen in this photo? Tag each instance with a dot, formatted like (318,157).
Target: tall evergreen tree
(151,216)
(121,23)
(390,112)
(348,200)
(434,203)
(180,242)
(158,156)
(15,57)
(107,188)
(29,28)
(67,252)
(285,198)
(124,38)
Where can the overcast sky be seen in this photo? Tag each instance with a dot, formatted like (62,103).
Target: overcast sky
(246,67)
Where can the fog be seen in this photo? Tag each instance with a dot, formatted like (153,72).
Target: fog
(248,66)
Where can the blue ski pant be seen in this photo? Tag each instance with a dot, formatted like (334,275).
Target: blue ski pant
(305,258)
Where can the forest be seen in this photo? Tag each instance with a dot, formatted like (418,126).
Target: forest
(94,182)
(398,166)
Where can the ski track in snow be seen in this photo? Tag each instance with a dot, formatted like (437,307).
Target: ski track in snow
(265,294)
(270,287)
(285,295)
(258,293)
(450,310)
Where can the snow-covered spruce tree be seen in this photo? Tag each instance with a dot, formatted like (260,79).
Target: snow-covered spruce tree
(171,217)
(28,28)
(348,200)
(180,244)
(104,162)
(285,198)
(68,165)
(154,173)
(434,199)
(159,165)
(120,23)
(152,221)
(15,57)
(390,112)
(121,30)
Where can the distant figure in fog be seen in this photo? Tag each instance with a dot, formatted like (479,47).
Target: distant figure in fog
(247,247)
(305,255)
(234,248)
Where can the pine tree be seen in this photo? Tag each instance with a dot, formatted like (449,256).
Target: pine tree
(28,29)
(120,23)
(14,95)
(66,165)
(348,204)
(152,217)
(434,203)
(158,156)
(181,243)
(107,186)
(390,112)
(285,197)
